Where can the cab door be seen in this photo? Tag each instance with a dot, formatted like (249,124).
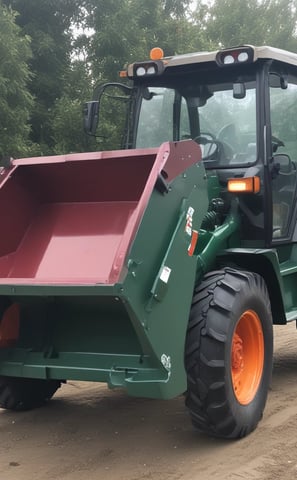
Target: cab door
(283,108)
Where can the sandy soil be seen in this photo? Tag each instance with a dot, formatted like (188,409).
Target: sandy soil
(88,432)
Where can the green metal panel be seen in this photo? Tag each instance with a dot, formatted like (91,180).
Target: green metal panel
(266,263)
(287,255)
(129,334)
(161,277)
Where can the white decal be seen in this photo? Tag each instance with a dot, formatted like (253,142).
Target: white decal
(189,221)
(165,274)
(166,362)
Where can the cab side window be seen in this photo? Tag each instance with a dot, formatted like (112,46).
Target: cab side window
(283,105)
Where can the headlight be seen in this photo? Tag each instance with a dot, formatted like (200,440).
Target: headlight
(243,57)
(232,56)
(228,59)
(144,69)
(140,71)
(151,70)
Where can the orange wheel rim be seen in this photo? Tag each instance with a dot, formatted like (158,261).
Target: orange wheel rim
(247,357)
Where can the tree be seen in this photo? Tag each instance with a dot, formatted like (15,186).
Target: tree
(67,125)
(15,100)
(126,31)
(234,22)
(48,23)
(63,67)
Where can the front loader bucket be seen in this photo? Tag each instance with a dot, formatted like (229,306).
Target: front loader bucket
(98,264)
(71,219)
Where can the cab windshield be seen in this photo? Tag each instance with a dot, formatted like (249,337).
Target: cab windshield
(220,117)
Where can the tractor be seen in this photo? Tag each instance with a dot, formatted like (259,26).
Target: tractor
(161,263)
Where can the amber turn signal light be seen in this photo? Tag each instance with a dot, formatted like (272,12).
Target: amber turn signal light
(244,185)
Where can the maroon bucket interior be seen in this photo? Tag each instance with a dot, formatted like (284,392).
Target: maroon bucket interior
(64,222)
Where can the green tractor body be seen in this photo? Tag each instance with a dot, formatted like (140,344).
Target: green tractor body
(160,267)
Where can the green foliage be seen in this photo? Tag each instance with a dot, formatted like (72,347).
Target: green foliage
(266,22)
(62,69)
(15,99)
(47,23)
(126,31)
(67,125)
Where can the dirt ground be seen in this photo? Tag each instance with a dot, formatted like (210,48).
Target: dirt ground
(88,432)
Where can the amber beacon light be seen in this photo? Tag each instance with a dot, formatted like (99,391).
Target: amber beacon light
(156,53)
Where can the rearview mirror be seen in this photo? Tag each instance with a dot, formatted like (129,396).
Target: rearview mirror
(239,90)
(283,163)
(277,80)
(91,111)
(108,97)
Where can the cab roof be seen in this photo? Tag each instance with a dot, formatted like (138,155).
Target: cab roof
(264,52)
(255,53)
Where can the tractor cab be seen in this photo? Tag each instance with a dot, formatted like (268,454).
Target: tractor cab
(238,104)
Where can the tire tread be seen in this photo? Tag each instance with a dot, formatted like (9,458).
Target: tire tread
(207,339)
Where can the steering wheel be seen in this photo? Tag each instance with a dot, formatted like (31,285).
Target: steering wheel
(204,137)
(214,148)
(210,147)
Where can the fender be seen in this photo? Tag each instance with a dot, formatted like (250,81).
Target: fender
(264,262)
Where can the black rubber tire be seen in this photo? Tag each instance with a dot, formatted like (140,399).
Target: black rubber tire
(21,394)
(218,303)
